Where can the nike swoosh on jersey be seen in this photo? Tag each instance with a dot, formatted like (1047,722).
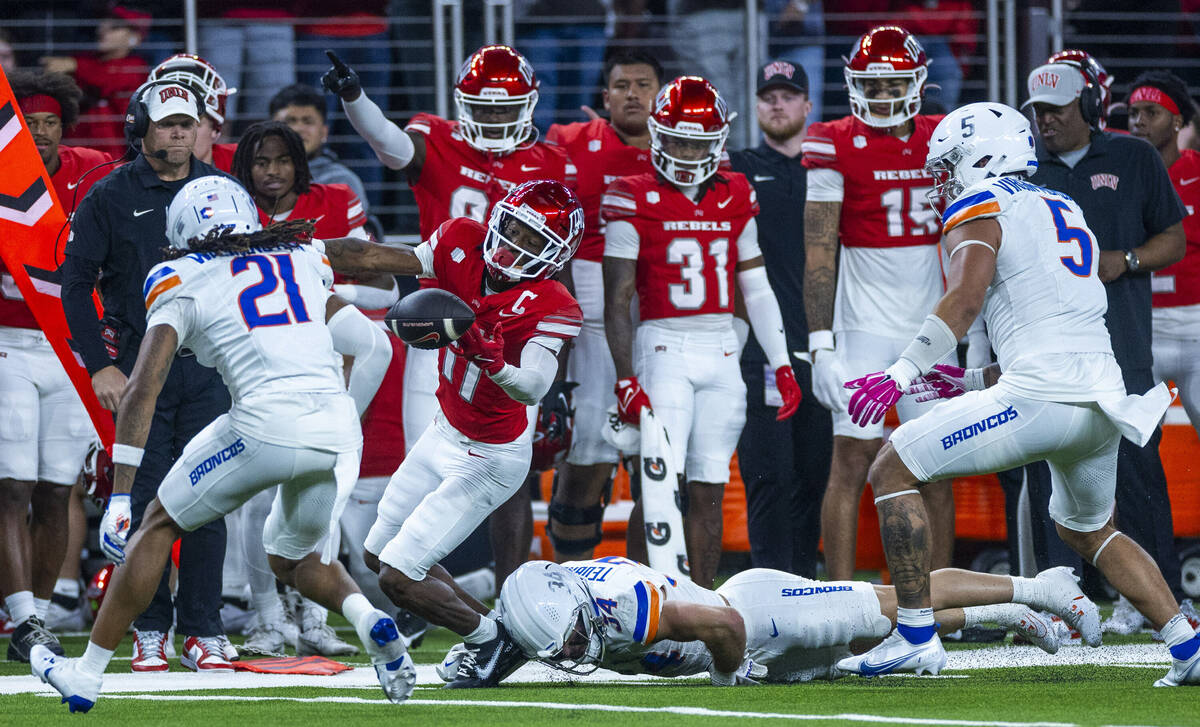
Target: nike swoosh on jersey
(508,314)
(727,201)
(762,178)
(71,185)
(525,168)
(1186,182)
(472,454)
(139,213)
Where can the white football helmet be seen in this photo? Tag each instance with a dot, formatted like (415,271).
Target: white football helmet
(548,611)
(975,142)
(207,203)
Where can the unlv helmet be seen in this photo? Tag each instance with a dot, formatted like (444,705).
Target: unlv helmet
(886,52)
(98,475)
(97,587)
(688,112)
(550,210)
(195,71)
(1093,72)
(495,78)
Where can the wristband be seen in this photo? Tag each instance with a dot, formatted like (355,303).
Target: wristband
(932,343)
(820,340)
(973,380)
(127,455)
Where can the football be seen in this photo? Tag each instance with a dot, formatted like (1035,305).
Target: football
(429,318)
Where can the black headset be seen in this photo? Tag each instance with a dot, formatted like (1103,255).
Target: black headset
(1091,98)
(137,116)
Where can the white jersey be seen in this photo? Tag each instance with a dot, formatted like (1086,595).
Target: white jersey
(630,597)
(259,319)
(1045,306)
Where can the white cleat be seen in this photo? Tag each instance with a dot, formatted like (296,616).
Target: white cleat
(1181,672)
(321,639)
(1068,602)
(1044,633)
(79,689)
(389,656)
(895,655)
(447,668)
(1125,619)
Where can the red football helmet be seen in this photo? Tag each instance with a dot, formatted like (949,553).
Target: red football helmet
(688,112)
(555,423)
(98,475)
(493,80)
(888,51)
(1089,65)
(195,71)
(98,587)
(551,211)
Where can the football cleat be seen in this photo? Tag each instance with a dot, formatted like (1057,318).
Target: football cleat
(486,664)
(447,668)
(79,688)
(205,653)
(320,639)
(412,628)
(1182,672)
(267,639)
(1066,600)
(149,651)
(65,613)
(1125,619)
(1044,633)
(227,647)
(389,656)
(895,654)
(29,634)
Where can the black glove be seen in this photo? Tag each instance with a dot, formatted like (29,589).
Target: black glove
(341,79)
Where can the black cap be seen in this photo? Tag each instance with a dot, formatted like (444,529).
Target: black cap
(782,73)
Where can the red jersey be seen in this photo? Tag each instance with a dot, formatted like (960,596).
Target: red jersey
(335,207)
(884,179)
(600,157)
(457,180)
(687,251)
(1179,284)
(222,155)
(472,402)
(68,187)
(383,422)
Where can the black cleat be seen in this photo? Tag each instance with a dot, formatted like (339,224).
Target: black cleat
(28,635)
(412,628)
(485,665)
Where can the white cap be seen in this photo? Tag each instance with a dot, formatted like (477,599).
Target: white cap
(170,99)
(1057,84)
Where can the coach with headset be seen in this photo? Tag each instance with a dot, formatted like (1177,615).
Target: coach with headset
(1128,201)
(118,234)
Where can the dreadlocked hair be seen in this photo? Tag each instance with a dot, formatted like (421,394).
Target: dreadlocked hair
(58,86)
(220,241)
(243,157)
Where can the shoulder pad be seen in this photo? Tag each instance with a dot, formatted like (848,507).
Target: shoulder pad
(162,282)
(986,199)
(620,199)
(819,147)
(425,124)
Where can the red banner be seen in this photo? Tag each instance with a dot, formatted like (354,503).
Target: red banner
(32,237)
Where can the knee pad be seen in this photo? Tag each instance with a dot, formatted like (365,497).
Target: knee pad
(571,515)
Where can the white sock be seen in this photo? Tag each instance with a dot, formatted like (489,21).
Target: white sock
(1029,591)
(42,605)
(484,632)
(1004,614)
(360,613)
(268,608)
(20,606)
(1177,631)
(68,587)
(95,658)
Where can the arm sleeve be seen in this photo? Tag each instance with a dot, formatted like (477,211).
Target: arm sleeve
(424,253)
(528,383)
(621,240)
(367,296)
(355,335)
(763,311)
(747,243)
(78,280)
(825,185)
(392,145)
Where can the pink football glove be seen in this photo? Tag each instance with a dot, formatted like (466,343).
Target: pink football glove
(785,382)
(945,382)
(630,400)
(485,349)
(876,393)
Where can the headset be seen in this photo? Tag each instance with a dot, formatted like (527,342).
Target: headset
(137,116)
(1091,98)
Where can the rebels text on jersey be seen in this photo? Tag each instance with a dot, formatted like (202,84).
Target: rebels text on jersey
(71,186)
(1179,284)
(457,180)
(600,157)
(687,251)
(470,401)
(884,179)
(335,209)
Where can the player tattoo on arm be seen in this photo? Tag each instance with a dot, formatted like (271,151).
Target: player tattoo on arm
(352,255)
(906,541)
(821,222)
(136,411)
(620,282)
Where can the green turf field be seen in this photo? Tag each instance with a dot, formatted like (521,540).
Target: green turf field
(1078,686)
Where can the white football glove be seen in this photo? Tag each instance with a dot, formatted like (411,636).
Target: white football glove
(748,674)
(827,378)
(114,527)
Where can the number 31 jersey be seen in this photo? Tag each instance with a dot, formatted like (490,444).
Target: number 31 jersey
(687,251)
(473,403)
(259,319)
